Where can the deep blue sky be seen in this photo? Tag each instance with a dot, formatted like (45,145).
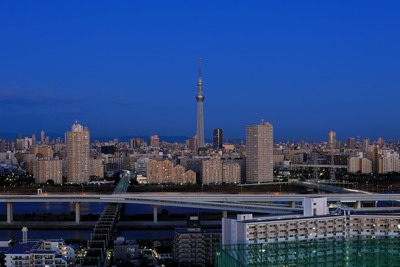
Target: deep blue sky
(130,67)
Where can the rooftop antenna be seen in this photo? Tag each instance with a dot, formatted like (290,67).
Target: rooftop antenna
(24,235)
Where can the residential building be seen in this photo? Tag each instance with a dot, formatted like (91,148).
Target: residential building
(259,149)
(389,162)
(194,246)
(159,172)
(43,151)
(314,224)
(332,139)
(231,172)
(211,171)
(96,168)
(77,144)
(154,141)
(359,164)
(47,169)
(164,172)
(39,253)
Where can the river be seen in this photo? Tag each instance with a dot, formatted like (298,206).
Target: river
(87,208)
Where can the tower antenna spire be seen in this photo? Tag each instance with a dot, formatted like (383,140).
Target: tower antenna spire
(200,79)
(200,67)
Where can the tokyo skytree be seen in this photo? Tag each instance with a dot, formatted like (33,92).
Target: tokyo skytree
(200,119)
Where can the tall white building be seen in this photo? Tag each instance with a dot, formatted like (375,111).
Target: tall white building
(78,141)
(260,159)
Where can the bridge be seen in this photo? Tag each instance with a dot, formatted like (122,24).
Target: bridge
(257,203)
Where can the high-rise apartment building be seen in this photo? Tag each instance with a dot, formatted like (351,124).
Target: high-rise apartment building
(217,138)
(47,169)
(77,143)
(42,137)
(332,139)
(44,151)
(192,143)
(365,144)
(194,246)
(350,143)
(154,141)
(259,148)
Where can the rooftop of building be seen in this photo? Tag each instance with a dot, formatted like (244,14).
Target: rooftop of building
(196,230)
(284,218)
(24,248)
(31,245)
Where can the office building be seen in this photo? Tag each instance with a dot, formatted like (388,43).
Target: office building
(77,144)
(217,138)
(259,149)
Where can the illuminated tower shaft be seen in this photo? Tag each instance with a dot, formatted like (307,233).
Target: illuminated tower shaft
(200,119)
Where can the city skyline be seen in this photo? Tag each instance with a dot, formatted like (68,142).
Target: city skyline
(130,69)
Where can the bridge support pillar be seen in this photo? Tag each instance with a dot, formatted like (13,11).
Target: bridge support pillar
(77,212)
(357,205)
(155,213)
(292,204)
(10,212)
(224,214)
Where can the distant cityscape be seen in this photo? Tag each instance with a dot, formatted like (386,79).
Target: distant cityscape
(77,160)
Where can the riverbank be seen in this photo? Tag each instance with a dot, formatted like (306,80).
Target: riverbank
(123,225)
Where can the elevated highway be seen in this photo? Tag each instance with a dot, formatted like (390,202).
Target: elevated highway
(259,203)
